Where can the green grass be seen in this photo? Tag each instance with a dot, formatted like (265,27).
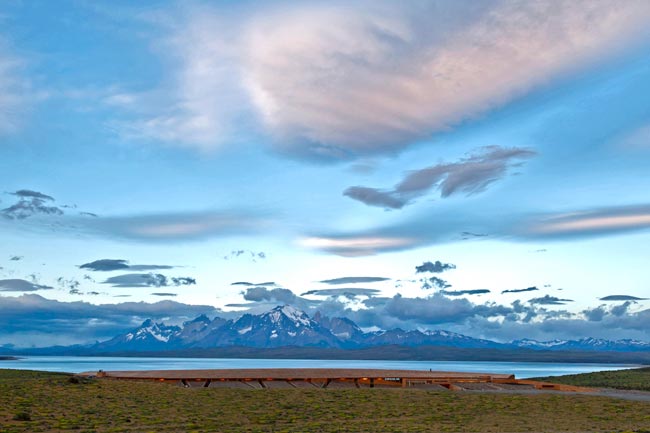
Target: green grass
(47,402)
(638,378)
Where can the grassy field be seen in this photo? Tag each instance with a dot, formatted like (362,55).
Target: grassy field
(46,402)
(638,378)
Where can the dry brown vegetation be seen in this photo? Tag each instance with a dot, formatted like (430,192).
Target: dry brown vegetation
(46,402)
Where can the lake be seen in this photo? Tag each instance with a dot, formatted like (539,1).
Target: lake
(77,364)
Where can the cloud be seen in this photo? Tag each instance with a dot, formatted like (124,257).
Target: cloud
(378,76)
(471,175)
(119,264)
(464,292)
(172,227)
(353,280)
(528,289)
(246,283)
(204,100)
(364,78)
(435,267)
(437,226)
(164,294)
(148,280)
(549,300)
(30,203)
(622,298)
(595,222)
(257,294)
(160,227)
(18,285)
(16,258)
(15,89)
(349,292)
(434,282)
(252,255)
(33,320)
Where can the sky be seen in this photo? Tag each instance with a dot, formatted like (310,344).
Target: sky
(479,167)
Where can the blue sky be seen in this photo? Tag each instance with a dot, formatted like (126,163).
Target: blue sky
(190,145)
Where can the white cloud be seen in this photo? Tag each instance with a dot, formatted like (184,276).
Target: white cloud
(340,80)
(201,101)
(13,89)
(356,245)
(638,138)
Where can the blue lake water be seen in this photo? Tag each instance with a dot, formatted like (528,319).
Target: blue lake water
(77,364)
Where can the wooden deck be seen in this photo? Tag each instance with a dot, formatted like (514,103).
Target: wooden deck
(332,378)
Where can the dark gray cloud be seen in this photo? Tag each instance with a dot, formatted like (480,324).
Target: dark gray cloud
(375,197)
(528,289)
(148,280)
(354,280)
(435,267)
(464,292)
(16,258)
(622,298)
(601,312)
(30,203)
(26,193)
(549,300)
(19,285)
(470,175)
(348,292)
(246,283)
(106,265)
(164,294)
(120,264)
(434,282)
(31,319)
(258,294)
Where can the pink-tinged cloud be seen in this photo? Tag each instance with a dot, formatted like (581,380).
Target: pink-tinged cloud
(339,80)
(595,222)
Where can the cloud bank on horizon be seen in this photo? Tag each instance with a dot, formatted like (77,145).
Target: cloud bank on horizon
(224,152)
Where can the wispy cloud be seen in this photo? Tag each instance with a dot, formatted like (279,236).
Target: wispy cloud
(253,256)
(348,292)
(464,292)
(30,203)
(622,298)
(528,289)
(470,175)
(365,78)
(438,227)
(594,222)
(353,280)
(549,300)
(148,280)
(38,211)
(15,89)
(104,265)
(19,285)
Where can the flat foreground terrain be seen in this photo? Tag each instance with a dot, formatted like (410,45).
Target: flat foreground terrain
(48,402)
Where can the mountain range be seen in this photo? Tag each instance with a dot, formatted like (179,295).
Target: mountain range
(285,326)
